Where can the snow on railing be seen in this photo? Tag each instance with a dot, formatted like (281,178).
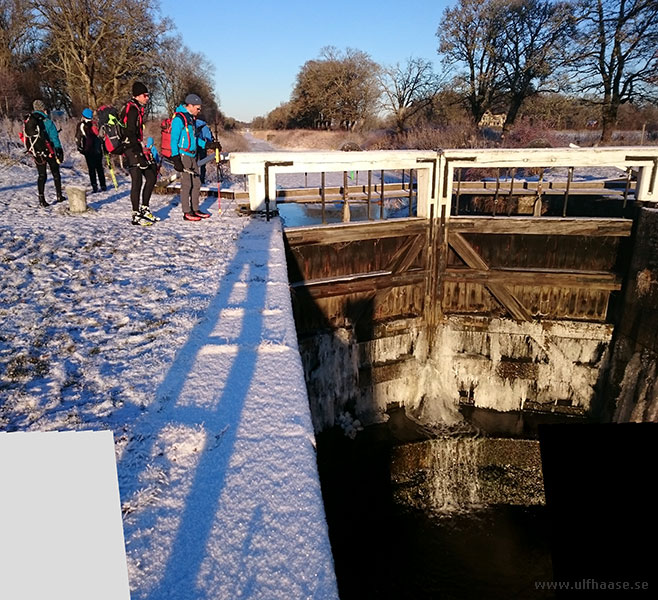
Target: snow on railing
(435,170)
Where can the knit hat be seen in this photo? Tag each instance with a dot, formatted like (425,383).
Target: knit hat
(87,113)
(193,99)
(139,88)
(39,105)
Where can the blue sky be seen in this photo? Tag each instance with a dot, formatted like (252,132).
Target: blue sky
(258,46)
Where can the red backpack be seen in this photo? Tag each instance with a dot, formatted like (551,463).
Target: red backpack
(165,141)
(165,128)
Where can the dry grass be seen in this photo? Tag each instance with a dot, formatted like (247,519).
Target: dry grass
(310,139)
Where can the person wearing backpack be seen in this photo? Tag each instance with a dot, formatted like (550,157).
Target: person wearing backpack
(46,149)
(203,133)
(184,145)
(90,146)
(141,169)
(152,153)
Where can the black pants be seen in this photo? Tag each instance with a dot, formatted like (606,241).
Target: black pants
(41,179)
(95,167)
(150,175)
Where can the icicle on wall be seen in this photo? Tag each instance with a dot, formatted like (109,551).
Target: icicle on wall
(454,479)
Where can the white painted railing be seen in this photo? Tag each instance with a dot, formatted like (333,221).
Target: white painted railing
(435,169)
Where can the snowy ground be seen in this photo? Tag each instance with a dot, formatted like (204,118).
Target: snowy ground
(179,338)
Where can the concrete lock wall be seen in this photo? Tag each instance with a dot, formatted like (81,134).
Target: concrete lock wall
(498,364)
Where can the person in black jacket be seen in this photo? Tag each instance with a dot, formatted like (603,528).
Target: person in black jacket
(141,169)
(90,145)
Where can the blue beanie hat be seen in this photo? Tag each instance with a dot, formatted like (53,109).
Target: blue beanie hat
(149,142)
(87,113)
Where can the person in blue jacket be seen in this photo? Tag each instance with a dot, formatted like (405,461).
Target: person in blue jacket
(203,133)
(155,155)
(54,157)
(151,152)
(184,145)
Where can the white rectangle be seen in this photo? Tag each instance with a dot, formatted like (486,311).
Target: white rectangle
(61,533)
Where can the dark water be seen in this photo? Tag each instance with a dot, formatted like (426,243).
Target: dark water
(383,551)
(298,215)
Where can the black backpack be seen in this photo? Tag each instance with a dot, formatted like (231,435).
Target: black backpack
(80,137)
(111,129)
(34,136)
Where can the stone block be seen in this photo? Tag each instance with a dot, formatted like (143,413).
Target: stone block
(77,198)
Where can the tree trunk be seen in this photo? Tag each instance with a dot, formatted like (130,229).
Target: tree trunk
(608,121)
(512,113)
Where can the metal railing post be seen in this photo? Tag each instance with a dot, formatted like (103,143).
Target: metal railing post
(269,164)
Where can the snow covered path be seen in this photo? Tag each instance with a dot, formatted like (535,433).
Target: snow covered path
(180,339)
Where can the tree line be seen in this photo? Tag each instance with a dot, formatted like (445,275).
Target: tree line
(500,56)
(84,53)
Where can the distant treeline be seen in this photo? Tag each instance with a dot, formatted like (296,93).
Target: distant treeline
(572,64)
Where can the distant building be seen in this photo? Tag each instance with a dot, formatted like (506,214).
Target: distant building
(490,120)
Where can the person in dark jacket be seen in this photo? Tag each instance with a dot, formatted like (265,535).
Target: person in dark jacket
(52,159)
(142,170)
(90,145)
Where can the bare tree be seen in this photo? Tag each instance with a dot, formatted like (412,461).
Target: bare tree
(17,55)
(408,89)
(179,71)
(618,59)
(469,39)
(98,47)
(16,33)
(532,48)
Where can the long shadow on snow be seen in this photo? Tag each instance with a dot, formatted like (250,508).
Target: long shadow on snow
(191,539)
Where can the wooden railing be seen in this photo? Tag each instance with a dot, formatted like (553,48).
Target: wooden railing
(435,173)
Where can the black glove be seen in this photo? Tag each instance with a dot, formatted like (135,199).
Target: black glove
(59,153)
(214,146)
(178,163)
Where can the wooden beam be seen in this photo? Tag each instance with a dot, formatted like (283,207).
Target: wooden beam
(406,254)
(542,226)
(326,288)
(537,277)
(347,232)
(468,254)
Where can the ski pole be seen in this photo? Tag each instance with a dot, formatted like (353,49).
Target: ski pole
(114,179)
(219,181)
(176,175)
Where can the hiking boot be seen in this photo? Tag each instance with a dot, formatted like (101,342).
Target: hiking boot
(42,201)
(190,216)
(139,219)
(146,213)
(61,198)
(203,215)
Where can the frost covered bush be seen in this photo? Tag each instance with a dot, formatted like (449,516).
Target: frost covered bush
(530,133)
(457,135)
